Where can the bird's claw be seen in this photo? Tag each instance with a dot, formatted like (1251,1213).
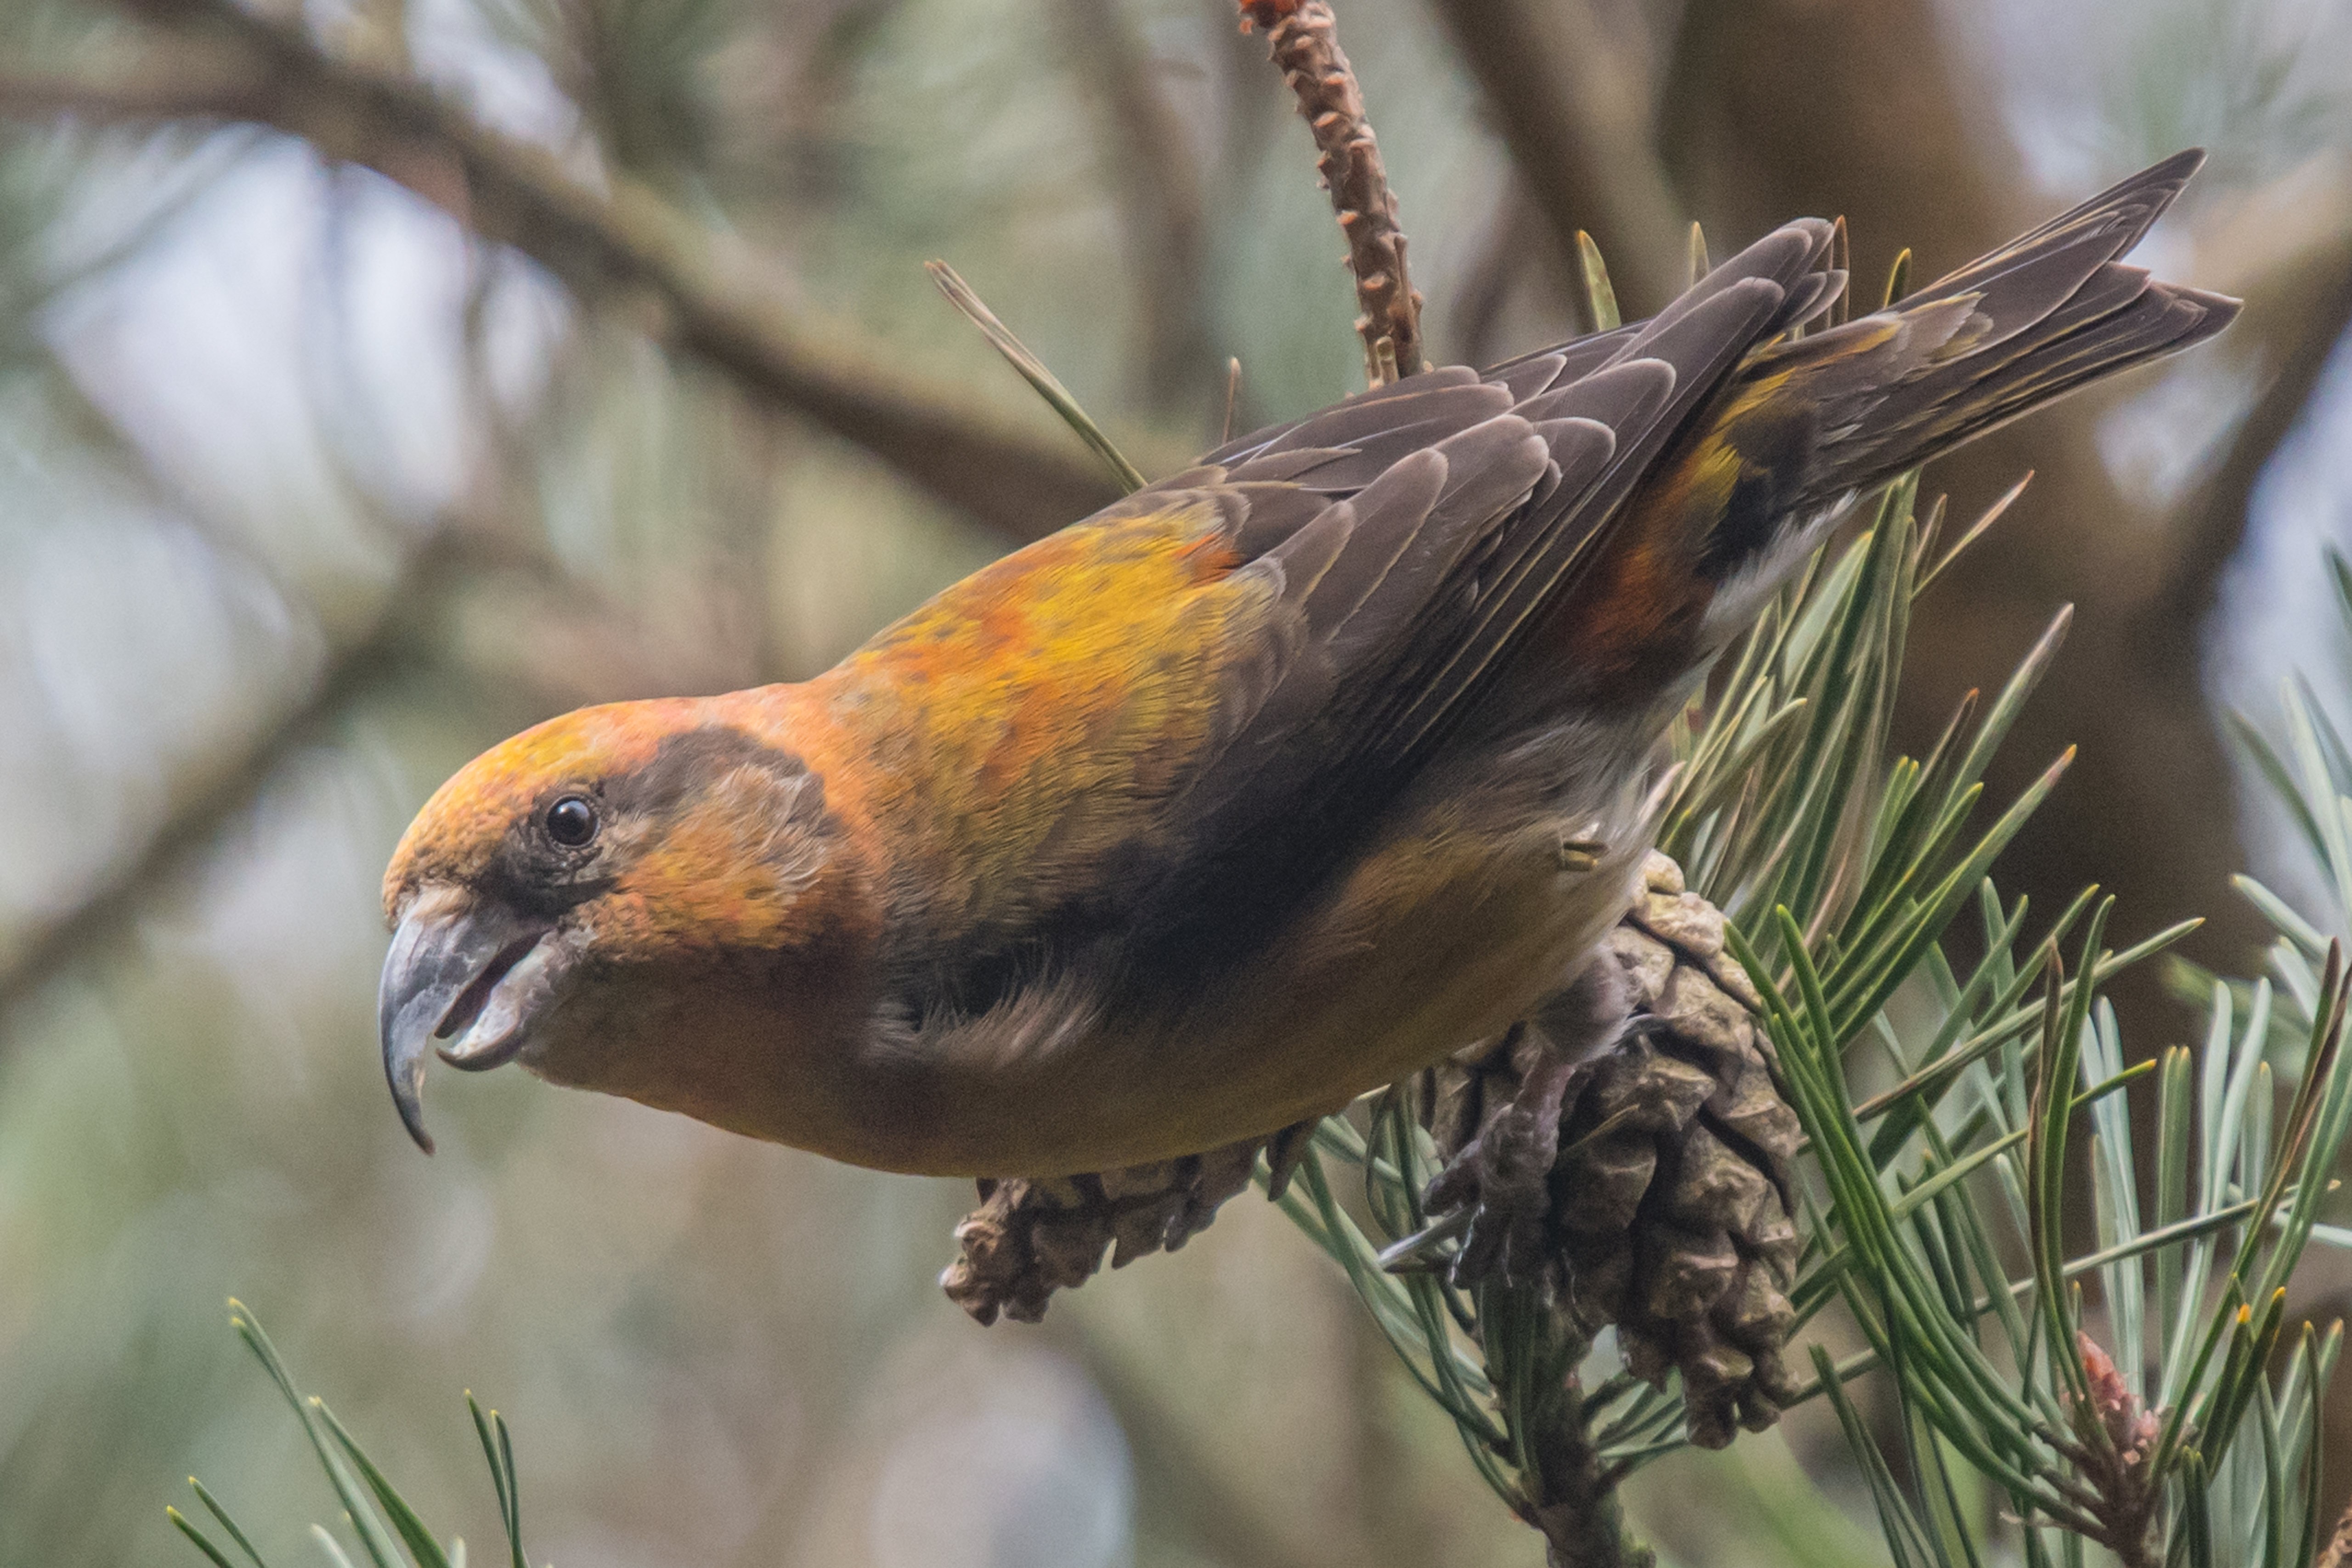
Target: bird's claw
(1419,1252)
(1501,1181)
(1495,1193)
(1508,1173)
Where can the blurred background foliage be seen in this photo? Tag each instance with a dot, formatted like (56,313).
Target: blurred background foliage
(348,424)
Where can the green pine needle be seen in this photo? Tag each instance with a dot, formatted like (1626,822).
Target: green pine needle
(356,1479)
(1033,370)
(1598,297)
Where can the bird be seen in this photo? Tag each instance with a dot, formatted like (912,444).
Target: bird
(1269,785)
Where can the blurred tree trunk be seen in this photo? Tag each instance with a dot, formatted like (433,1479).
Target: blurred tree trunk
(1781,107)
(1566,85)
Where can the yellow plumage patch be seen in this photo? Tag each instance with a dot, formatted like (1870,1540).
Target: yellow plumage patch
(1027,718)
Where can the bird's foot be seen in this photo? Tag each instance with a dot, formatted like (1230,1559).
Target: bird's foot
(1495,1193)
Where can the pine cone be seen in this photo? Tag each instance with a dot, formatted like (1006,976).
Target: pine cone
(1670,1201)
(1031,1237)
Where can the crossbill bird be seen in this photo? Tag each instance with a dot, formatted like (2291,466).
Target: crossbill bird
(1269,785)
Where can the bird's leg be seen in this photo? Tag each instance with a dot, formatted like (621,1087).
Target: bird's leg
(1501,1179)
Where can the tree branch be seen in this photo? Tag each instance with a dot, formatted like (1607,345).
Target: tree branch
(626,664)
(707,299)
(1575,115)
(225,792)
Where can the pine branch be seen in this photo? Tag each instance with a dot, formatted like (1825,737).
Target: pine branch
(1303,39)
(708,299)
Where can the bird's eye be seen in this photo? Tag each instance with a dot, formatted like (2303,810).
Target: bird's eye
(571,821)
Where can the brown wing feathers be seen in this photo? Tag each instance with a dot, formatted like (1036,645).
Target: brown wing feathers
(1721,364)
(1419,537)
(1653,383)
(1417,528)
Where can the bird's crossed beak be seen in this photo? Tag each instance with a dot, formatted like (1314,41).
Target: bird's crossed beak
(468,973)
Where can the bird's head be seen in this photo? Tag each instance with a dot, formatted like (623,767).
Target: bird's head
(568,896)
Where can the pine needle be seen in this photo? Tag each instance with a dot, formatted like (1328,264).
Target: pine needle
(1033,370)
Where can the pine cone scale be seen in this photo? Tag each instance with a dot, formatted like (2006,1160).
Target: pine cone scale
(1670,1203)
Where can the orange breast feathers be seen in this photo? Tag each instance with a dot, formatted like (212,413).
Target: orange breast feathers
(1023,733)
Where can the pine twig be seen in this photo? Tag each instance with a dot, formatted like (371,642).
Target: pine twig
(1304,41)
(1580,1515)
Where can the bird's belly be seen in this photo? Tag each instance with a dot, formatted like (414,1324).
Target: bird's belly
(1444,934)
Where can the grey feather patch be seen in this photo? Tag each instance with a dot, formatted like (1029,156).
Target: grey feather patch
(1579,448)
(1578,357)
(1492,469)
(1388,514)
(1621,396)
(1244,448)
(1814,293)
(1454,405)
(1779,259)
(1529,377)
(1275,512)
(1291,462)
(1193,478)
(1307,555)
(1717,330)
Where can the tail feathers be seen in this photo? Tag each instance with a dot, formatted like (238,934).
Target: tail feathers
(2123,214)
(2052,360)
(2043,315)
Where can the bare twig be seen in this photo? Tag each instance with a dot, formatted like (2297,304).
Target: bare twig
(1304,41)
(707,299)
(1574,111)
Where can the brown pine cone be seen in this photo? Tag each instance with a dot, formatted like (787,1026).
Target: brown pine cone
(1670,1201)
(1031,1237)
